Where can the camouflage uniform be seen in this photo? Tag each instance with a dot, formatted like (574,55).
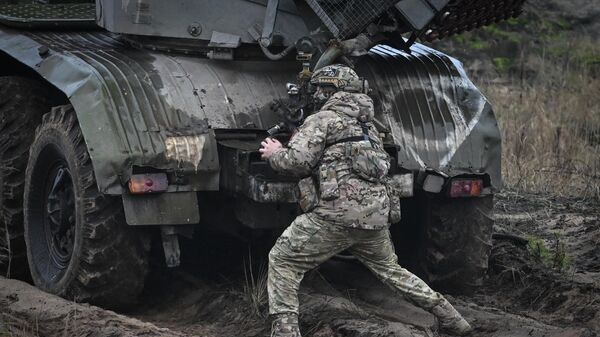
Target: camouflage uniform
(357,220)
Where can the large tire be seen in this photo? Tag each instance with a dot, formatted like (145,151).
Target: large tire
(457,243)
(22,103)
(78,243)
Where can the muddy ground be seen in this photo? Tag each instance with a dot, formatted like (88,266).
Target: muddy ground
(544,280)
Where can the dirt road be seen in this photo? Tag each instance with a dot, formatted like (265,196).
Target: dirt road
(551,292)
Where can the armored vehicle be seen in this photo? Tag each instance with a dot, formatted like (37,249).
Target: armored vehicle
(124,122)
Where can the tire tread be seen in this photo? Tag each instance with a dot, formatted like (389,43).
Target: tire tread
(458,241)
(112,261)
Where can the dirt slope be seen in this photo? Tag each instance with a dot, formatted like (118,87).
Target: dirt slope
(560,285)
(27,311)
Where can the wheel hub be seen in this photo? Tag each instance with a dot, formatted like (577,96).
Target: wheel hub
(59,217)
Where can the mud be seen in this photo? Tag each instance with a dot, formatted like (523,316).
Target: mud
(26,311)
(216,294)
(563,286)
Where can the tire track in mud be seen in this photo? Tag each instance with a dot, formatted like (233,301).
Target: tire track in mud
(521,298)
(328,310)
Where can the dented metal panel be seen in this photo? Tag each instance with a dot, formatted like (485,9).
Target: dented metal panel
(138,108)
(151,109)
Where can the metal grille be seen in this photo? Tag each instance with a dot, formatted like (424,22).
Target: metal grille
(345,18)
(42,12)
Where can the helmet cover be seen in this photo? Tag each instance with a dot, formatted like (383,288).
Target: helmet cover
(338,76)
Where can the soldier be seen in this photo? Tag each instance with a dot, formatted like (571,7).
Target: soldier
(340,155)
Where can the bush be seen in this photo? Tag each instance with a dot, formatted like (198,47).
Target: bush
(550,122)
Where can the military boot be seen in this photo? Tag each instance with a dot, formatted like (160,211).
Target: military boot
(285,325)
(450,320)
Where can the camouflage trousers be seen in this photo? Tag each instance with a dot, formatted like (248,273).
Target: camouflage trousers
(308,243)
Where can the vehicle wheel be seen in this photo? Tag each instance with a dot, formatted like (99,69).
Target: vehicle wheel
(22,103)
(457,243)
(78,244)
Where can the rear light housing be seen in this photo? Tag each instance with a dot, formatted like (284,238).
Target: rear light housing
(460,188)
(148,183)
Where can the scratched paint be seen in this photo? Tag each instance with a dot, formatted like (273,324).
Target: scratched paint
(185,150)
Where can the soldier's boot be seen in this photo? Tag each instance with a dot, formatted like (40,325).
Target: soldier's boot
(450,320)
(285,325)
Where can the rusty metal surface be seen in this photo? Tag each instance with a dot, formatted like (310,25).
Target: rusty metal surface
(141,108)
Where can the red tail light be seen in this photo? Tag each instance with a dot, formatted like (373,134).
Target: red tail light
(148,183)
(465,188)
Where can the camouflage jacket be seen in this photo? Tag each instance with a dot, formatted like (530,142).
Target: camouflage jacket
(361,204)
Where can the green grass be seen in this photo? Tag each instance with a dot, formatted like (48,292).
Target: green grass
(499,32)
(459,38)
(537,248)
(477,44)
(503,64)
(555,257)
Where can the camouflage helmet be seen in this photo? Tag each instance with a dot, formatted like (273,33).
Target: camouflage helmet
(340,77)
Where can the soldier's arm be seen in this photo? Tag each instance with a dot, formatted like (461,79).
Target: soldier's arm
(304,149)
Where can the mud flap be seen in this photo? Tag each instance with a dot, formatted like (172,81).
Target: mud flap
(161,209)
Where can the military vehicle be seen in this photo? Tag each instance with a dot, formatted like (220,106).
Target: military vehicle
(124,122)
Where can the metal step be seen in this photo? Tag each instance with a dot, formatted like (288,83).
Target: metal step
(48,15)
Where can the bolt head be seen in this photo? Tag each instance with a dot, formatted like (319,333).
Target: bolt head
(195,29)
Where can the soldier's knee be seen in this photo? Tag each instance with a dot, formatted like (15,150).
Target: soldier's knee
(273,255)
(276,254)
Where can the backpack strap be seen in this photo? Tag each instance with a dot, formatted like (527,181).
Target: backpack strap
(347,140)
(365,130)
(365,136)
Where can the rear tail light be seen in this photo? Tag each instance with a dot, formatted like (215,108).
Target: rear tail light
(465,188)
(148,183)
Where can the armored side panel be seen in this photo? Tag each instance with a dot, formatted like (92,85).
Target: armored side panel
(227,23)
(200,20)
(147,109)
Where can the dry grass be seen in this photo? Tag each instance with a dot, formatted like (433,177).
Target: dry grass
(549,115)
(12,326)
(4,250)
(254,291)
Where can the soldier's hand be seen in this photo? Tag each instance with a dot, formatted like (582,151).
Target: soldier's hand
(269,146)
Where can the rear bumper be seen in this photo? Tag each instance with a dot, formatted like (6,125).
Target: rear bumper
(258,189)
(258,196)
